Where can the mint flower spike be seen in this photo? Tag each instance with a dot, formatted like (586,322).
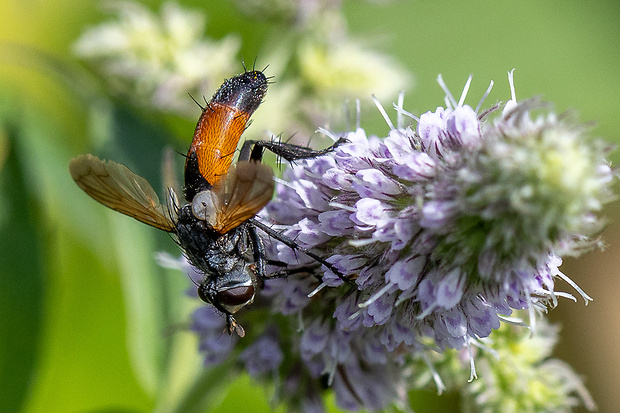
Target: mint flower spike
(444,229)
(452,225)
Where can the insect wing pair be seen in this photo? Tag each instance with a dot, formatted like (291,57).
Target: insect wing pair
(246,189)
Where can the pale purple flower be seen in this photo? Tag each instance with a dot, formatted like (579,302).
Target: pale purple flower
(213,343)
(262,356)
(443,231)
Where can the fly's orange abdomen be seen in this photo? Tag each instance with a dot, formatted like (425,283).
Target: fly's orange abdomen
(219,129)
(215,140)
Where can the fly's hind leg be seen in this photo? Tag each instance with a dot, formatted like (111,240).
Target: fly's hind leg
(253,150)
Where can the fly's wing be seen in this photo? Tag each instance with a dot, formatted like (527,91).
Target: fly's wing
(171,183)
(247,188)
(116,187)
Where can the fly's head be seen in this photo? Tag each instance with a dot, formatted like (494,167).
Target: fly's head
(230,282)
(229,292)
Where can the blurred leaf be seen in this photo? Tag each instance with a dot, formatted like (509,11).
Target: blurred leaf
(82,317)
(144,297)
(245,391)
(137,142)
(154,297)
(84,361)
(208,390)
(22,282)
(184,365)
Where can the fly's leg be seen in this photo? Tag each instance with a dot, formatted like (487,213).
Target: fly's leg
(260,260)
(233,327)
(287,272)
(293,245)
(253,150)
(258,248)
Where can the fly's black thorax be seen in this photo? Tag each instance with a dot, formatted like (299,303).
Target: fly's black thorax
(226,260)
(194,181)
(210,252)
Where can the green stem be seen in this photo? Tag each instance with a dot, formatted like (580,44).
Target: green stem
(207,390)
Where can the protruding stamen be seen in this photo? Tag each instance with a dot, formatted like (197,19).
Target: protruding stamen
(342,206)
(531,313)
(332,372)
(375,296)
(513,94)
(301,326)
(484,97)
(327,133)
(515,321)
(436,377)
(583,294)
(383,112)
(317,289)
(355,314)
(362,242)
(402,111)
(472,364)
(565,295)
(399,115)
(465,90)
(450,101)
(427,311)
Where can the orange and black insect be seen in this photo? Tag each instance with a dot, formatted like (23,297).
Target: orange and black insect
(215,227)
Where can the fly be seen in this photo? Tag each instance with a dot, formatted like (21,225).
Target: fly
(215,226)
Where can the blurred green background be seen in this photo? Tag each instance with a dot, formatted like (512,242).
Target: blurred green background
(88,322)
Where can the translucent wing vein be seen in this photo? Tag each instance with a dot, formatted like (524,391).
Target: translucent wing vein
(116,187)
(247,188)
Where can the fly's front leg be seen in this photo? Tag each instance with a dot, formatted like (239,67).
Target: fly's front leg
(260,261)
(287,272)
(292,244)
(258,248)
(233,327)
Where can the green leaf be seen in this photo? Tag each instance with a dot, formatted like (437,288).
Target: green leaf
(22,282)
(208,390)
(63,344)
(141,284)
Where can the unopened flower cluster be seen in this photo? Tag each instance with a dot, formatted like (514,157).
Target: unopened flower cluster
(156,59)
(516,375)
(441,231)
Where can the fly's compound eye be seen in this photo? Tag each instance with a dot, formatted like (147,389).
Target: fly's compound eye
(233,299)
(203,207)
